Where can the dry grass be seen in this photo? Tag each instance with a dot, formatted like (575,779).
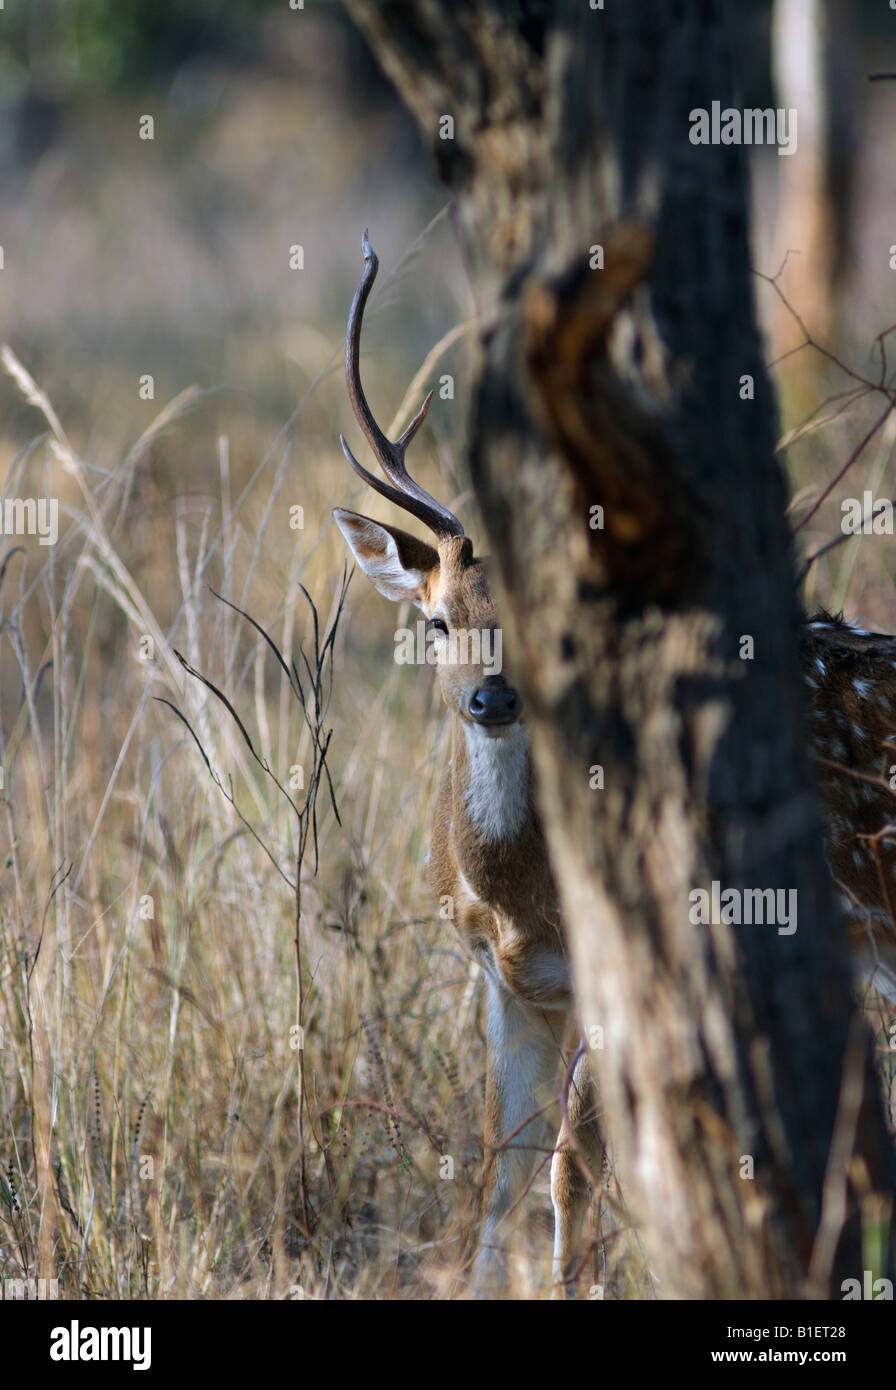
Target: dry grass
(150,1128)
(148,981)
(151,1140)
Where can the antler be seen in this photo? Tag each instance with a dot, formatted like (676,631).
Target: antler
(404,492)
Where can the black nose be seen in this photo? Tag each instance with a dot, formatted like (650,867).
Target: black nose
(494,702)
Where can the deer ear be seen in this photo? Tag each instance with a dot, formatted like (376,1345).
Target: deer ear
(399,565)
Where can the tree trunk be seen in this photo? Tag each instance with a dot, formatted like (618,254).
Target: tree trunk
(657,639)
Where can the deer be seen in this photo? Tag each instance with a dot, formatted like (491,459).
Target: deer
(488,855)
(488,858)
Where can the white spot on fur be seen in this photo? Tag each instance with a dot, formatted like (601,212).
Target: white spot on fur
(862,688)
(497,791)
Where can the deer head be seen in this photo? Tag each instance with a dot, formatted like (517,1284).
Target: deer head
(446,581)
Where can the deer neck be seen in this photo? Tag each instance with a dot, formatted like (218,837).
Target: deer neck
(494,840)
(491,789)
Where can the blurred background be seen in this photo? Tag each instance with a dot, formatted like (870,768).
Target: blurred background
(173,375)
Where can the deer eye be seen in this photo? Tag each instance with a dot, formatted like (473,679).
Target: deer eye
(437,625)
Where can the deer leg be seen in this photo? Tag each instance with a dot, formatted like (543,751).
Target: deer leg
(520,1081)
(579,1152)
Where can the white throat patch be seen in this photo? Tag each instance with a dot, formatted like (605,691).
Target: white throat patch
(498,783)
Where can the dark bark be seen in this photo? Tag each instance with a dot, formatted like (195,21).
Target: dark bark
(620,388)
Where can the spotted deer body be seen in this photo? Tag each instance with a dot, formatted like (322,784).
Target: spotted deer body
(850,676)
